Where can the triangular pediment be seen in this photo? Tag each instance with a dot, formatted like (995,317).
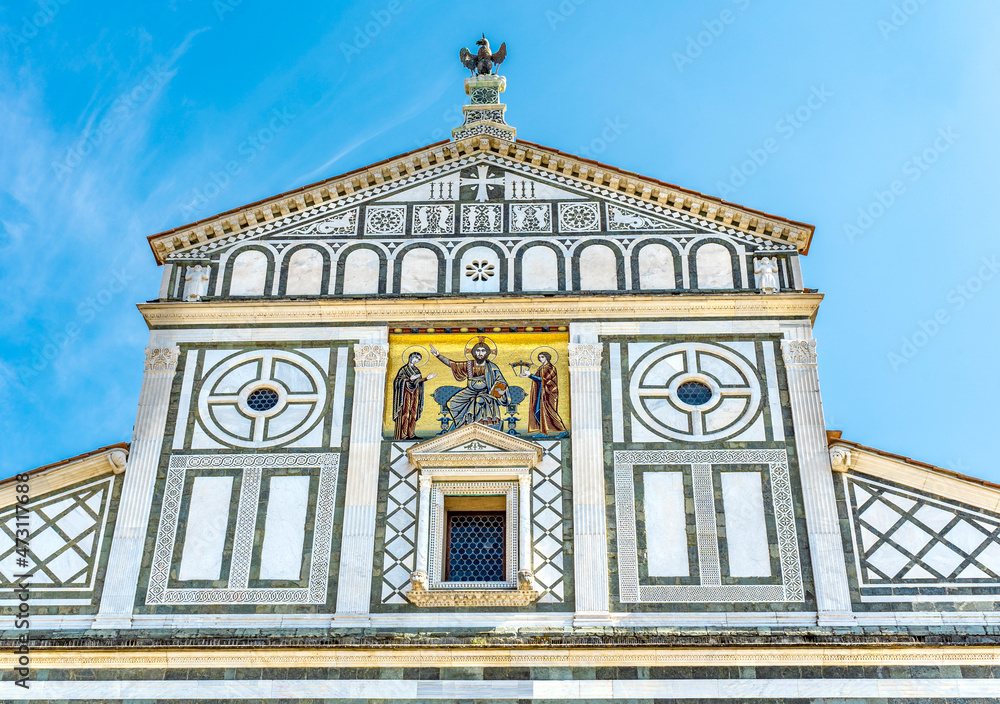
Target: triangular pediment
(473,444)
(480,171)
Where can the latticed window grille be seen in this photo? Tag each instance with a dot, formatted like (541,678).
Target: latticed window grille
(475,549)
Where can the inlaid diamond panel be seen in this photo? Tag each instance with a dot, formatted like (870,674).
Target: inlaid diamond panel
(908,539)
(547,527)
(65,533)
(400,525)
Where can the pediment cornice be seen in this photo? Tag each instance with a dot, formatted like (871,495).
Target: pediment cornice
(383,177)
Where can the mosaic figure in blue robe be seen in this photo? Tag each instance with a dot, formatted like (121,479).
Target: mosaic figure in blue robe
(485,394)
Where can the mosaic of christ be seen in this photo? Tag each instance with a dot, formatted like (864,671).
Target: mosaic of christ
(512,382)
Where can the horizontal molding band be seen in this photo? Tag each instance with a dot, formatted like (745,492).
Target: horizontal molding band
(431,312)
(171,658)
(589,690)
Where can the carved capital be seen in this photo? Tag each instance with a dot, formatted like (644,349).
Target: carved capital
(841,459)
(799,351)
(526,580)
(162,359)
(118,460)
(425,482)
(371,356)
(582,356)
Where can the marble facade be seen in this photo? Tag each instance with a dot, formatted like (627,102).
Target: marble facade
(275,529)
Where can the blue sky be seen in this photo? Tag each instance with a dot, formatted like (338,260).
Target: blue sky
(875,121)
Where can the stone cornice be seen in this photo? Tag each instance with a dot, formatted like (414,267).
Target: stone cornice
(438,311)
(594,176)
(108,460)
(175,658)
(921,477)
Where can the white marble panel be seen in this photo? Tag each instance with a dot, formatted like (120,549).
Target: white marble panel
(598,269)
(305,273)
(419,271)
(746,528)
(361,271)
(229,418)
(715,266)
(479,271)
(724,372)
(284,528)
(656,267)
(249,274)
(666,524)
(725,413)
(205,537)
(539,269)
(293,377)
(289,419)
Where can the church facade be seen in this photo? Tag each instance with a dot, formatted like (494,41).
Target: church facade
(488,421)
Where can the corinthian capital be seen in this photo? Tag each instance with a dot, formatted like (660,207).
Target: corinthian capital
(799,351)
(162,359)
(583,356)
(371,356)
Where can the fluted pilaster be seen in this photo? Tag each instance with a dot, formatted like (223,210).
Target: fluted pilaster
(361,496)
(825,545)
(589,522)
(128,543)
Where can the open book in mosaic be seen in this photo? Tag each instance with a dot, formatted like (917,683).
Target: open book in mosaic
(66,533)
(909,545)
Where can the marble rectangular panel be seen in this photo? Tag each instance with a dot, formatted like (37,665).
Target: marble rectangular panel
(205,536)
(746,528)
(285,528)
(666,524)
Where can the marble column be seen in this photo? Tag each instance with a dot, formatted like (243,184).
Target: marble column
(833,598)
(590,534)
(524,524)
(423,530)
(129,542)
(357,549)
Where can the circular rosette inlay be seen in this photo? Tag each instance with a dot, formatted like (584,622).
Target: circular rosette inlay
(262,398)
(694,391)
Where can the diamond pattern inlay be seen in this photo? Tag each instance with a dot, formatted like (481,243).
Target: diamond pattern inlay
(903,537)
(64,538)
(401,525)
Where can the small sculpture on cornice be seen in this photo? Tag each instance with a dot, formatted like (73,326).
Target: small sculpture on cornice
(766,269)
(196,282)
(484,62)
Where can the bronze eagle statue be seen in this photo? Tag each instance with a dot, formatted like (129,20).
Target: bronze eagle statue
(483,62)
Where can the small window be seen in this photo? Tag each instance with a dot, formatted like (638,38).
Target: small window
(475,546)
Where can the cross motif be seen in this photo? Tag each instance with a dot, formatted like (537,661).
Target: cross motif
(482,181)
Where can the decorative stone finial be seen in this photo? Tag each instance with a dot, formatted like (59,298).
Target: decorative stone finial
(484,62)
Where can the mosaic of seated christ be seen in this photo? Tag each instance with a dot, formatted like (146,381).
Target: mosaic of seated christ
(513,382)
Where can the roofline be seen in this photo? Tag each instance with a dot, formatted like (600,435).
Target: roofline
(833,438)
(214,227)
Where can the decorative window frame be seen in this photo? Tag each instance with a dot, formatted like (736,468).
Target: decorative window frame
(438,527)
(473,461)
